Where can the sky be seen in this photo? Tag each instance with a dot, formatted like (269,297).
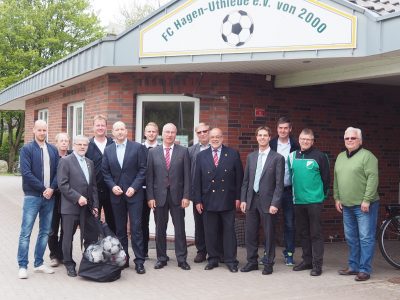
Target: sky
(108,10)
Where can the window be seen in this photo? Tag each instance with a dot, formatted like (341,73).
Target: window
(75,119)
(43,114)
(183,111)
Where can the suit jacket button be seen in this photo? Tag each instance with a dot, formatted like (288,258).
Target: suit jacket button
(213,191)
(223,190)
(213,180)
(222,180)
(208,172)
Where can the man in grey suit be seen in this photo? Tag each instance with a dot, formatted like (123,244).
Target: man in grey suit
(77,184)
(168,188)
(202,131)
(260,199)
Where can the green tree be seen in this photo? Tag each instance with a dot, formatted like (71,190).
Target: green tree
(136,11)
(33,35)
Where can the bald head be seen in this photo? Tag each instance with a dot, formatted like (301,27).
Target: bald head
(40,131)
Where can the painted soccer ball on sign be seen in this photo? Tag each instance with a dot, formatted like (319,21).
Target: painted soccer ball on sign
(237,28)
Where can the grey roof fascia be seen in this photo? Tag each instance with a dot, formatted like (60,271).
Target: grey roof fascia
(388,16)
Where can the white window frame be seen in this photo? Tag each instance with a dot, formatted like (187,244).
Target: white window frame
(76,106)
(163,98)
(43,114)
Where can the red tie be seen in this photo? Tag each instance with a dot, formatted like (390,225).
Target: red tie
(216,157)
(167,157)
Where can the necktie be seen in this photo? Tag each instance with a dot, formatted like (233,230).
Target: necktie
(84,168)
(216,157)
(259,169)
(167,157)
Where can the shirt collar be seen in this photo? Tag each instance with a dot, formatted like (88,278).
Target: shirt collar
(349,155)
(170,147)
(77,155)
(123,144)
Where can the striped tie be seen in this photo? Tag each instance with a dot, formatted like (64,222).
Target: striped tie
(167,158)
(216,157)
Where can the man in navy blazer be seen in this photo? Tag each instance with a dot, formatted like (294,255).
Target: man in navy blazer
(261,198)
(168,189)
(218,179)
(124,171)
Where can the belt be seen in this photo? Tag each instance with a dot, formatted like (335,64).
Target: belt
(287,188)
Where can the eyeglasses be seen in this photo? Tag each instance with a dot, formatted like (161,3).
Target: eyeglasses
(306,140)
(351,138)
(81,145)
(202,131)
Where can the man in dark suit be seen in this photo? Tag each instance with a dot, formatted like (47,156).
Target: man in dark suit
(97,145)
(285,144)
(77,184)
(168,188)
(218,179)
(202,131)
(124,171)
(261,197)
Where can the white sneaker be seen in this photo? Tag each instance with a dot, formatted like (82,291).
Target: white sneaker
(22,273)
(44,269)
(54,262)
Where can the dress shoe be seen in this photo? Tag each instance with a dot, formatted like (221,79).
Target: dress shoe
(160,264)
(249,267)
(210,266)
(233,268)
(347,272)
(184,265)
(71,271)
(268,269)
(200,257)
(126,265)
(302,266)
(362,276)
(316,271)
(140,269)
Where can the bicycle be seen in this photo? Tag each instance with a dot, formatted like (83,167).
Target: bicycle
(389,235)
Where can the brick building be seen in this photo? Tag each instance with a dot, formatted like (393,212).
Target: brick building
(171,68)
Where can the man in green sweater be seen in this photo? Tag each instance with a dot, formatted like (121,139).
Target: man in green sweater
(356,196)
(309,169)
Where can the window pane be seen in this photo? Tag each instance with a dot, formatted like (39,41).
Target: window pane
(179,113)
(70,121)
(79,120)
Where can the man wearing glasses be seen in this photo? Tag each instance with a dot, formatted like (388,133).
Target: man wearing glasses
(202,131)
(355,190)
(309,169)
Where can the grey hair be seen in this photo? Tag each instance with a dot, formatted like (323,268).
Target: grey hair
(356,130)
(81,138)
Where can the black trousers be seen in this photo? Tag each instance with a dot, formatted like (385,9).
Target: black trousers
(199,236)
(145,224)
(213,221)
(70,224)
(308,226)
(105,204)
(254,217)
(178,219)
(122,210)
(55,240)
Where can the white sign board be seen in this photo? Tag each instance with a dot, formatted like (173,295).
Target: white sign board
(240,26)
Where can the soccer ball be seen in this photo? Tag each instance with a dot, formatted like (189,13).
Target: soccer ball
(119,259)
(94,253)
(111,245)
(237,28)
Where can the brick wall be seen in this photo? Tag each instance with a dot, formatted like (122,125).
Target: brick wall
(229,100)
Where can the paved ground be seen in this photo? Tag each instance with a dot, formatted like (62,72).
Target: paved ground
(174,283)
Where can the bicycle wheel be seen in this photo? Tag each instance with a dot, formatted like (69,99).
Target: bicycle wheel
(389,241)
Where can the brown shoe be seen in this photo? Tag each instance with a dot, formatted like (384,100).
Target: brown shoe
(347,272)
(362,276)
(200,257)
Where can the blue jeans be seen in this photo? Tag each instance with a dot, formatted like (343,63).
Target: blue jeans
(32,207)
(359,231)
(289,223)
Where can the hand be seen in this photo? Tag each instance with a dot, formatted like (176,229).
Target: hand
(273,210)
(95,212)
(243,207)
(48,193)
(365,207)
(237,204)
(185,203)
(82,201)
(338,206)
(117,190)
(130,192)
(152,204)
(199,208)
